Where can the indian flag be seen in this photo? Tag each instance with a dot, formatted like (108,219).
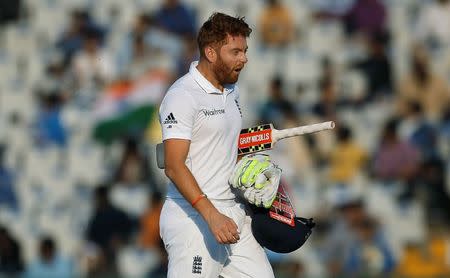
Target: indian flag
(127,107)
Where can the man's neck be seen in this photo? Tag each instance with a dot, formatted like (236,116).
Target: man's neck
(205,69)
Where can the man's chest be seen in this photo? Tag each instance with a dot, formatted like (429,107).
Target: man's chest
(218,114)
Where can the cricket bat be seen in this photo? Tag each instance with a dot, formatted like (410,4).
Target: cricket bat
(260,138)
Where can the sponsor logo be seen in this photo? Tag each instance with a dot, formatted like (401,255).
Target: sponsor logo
(254,138)
(197,265)
(170,120)
(213,112)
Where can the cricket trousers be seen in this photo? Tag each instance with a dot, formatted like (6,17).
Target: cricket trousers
(194,252)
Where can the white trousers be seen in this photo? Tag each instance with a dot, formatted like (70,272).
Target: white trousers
(194,252)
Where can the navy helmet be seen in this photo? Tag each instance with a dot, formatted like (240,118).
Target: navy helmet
(277,236)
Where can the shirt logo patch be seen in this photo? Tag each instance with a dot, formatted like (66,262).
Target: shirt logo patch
(170,120)
(213,112)
(197,265)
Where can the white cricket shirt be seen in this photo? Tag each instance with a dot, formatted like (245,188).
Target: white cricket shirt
(195,110)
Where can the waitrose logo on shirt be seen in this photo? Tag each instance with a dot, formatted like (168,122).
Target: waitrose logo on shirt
(213,112)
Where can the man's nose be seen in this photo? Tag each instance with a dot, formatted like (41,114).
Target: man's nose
(244,58)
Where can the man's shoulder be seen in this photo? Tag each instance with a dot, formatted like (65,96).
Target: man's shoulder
(184,85)
(183,90)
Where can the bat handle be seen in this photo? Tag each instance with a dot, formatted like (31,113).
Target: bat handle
(306,129)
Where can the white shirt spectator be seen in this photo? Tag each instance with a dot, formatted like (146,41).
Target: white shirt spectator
(91,69)
(130,198)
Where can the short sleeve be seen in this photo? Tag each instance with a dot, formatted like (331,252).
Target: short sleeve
(176,115)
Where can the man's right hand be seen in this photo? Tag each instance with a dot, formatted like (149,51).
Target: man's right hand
(223,227)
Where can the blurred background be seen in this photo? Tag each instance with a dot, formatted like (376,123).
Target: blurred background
(80,86)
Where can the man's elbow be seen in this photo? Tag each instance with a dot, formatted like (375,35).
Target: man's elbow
(169,172)
(171,169)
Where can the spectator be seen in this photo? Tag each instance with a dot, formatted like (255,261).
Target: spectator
(427,259)
(92,66)
(150,40)
(335,248)
(49,264)
(328,103)
(56,75)
(277,106)
(71,41)
(49,129)
(130,183)
(11,263)
(377,67)
(424,86)
(432,24)
(108,228)
(347,158)
(149,235)
(419,132)
(397,163)
(141,59)
(366,16)
(166,43)
(126,53)
(8,197)
(369,254)
(395,159)
(276,24)
(175,17)
(435,193)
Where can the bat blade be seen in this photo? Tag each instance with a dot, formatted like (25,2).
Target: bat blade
(255,139)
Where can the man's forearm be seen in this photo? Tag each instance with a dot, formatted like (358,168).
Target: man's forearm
(186,184)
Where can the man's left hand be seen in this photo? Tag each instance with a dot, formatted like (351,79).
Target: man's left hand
(264,191)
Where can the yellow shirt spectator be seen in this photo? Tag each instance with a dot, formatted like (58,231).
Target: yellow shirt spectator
(276,25)
(431,262)
(347,158)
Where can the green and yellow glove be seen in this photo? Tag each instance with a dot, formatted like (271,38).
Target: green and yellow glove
(257,178)
(247,170)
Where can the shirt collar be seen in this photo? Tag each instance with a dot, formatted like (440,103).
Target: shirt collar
(205,84)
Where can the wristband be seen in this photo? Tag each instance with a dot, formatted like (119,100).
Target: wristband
(198,199)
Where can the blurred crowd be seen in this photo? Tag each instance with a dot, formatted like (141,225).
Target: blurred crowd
(77,200)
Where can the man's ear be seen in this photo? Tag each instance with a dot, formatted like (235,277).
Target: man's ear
(210,54)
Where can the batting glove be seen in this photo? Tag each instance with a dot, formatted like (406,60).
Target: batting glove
(247,170)
(263,193)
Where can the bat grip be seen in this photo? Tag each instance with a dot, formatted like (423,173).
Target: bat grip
(306,129)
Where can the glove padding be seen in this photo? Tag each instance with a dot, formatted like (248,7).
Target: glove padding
(257,179)
(263,193)
(247,170)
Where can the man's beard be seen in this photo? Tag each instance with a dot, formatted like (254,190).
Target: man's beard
(224,73)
